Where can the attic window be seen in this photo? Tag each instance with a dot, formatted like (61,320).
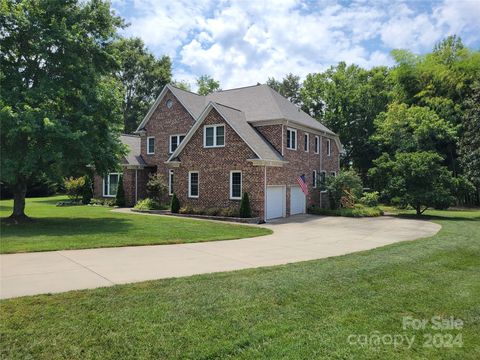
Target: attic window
(213,136)
(169,103)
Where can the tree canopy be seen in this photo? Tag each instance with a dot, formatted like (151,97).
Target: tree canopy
(206,85)
(63,105)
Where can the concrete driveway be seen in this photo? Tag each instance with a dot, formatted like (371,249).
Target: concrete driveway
(297,238)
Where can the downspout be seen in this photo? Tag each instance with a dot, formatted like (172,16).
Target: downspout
(265,194)
(136,186)
(283,139)
(321,166)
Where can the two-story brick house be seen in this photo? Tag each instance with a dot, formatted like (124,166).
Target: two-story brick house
(211,149)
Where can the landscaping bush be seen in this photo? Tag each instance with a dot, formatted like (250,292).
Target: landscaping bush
(146,204)
(175,204)
(212,211)
(102,202)
(229,212)
(357,211)
(370,199)
(156,187)
(74,187)
(120,198)
(345,180)
(187,209)
(87,191)
(245,209)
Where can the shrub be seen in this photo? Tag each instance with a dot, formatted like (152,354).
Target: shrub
(146,204)
(102,202)
(212,211)
(120,198)
(175,204)
(87,192)
(74,187)
(187,209)
(245,209)
(369,199)
(156,187)
(229,212)
(344,181)
(357,211)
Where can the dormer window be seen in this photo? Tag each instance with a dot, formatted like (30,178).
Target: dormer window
(214,136)
(150,145)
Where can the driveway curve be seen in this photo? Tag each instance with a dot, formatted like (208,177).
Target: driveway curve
(298,238)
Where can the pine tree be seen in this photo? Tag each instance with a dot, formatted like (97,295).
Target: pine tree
(245,209)
(120,198)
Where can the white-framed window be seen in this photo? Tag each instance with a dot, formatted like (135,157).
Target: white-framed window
(317,144)
(110,184)
(291,139)
(175,141)
(170,182)
(235,185)
(306,142)
(314,178)
(329,147)
(151,145)
(333,173)
(193,184)
(323,178)
(213,136)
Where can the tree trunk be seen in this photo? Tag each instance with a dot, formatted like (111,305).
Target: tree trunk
(18,214)
(419,209)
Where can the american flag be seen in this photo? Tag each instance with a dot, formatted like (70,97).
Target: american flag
(303,184)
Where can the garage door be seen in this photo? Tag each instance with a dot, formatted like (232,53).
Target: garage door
(297,200)
(275,202)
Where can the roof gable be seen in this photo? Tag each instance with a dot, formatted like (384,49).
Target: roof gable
(236,120)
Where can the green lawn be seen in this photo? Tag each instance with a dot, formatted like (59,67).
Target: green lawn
(81,227)
(299,311)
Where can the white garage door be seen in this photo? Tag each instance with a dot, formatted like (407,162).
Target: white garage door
(275,202)
(297,200)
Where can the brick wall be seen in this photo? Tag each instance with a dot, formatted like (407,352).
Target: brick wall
(163,123)
(214,166)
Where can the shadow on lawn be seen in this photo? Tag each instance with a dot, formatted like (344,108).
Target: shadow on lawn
(436,217)
(62,226)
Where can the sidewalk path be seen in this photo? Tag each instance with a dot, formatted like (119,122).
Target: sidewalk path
(297,238)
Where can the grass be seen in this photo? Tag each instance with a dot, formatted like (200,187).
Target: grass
(358,211)
(299,311)
(81,227)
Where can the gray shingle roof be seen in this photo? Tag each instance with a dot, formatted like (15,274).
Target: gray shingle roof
(133,157)
(236,119)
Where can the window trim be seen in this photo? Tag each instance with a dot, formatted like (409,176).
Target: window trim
(103,185)
(291,130)
(314,179)
(214,126)
(231,184)
(190,183)
(148,145)
(306,137)
(333,173)
(170,182)
(317,144)
(329,147)
(170,151)
(323,172)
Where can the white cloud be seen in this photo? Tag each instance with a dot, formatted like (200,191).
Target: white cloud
(242,42)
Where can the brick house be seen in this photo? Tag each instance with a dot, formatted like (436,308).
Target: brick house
(211,149)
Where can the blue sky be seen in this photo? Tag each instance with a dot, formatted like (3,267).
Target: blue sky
(246,41)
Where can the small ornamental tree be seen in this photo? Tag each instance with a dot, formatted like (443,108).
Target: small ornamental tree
(120,198)
(417,179)
(87,191)
(245,209)
(337,186)
(74,187)
(175,204)
(156,187)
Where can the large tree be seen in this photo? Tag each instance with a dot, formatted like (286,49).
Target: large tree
(206,85)
(62,111)
(470,138)
(143,77)
(347,99)
(289,87)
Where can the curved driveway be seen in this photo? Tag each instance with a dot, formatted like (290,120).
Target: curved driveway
(297,238)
